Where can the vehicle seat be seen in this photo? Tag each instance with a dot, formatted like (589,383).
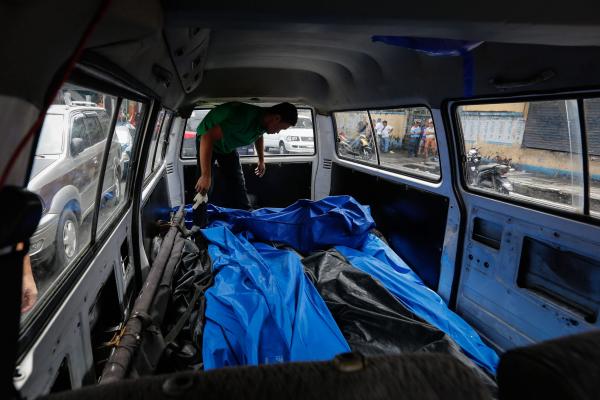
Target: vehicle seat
(349,376)
(565,368)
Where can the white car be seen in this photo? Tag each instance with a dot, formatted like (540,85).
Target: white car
(299,139)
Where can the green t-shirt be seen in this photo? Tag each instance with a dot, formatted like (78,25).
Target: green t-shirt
(240,123)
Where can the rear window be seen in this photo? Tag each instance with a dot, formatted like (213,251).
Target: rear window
(296,140)
(51,137)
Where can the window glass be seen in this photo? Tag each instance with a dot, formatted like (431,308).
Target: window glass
(355,136)
(527,151)
(592,122)
(92,127)
(51,138)
(407,141)
(296,140)
(153,144)
(188,147)
(163,141)
(118,168)
(65,175)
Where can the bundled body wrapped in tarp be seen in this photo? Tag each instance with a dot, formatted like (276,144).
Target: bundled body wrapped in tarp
(308,282)
(263,308)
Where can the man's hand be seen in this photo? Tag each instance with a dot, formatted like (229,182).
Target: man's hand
(260,169)
(203,184)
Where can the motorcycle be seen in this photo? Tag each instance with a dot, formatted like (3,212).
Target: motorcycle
(359,147)
(489,176)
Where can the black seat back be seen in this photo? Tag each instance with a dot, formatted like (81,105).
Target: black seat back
(566,368)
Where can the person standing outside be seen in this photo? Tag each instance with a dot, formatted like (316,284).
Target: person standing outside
(232,125)
(430,144)
(414,138)
(385,137)
(378,129)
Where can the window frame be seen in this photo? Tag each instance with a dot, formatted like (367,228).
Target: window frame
(451,106)
(405,173)
(267,155)
(152,150)
(162,135)
(40,316)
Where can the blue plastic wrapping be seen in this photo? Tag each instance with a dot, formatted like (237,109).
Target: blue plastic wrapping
(262,309)
(252,315)
(305,225)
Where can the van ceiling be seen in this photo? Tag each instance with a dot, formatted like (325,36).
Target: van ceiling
(317,53)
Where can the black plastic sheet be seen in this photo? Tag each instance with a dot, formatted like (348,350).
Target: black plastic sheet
(371,319)
(187,309)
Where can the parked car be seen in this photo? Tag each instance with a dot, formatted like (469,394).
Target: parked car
(65,175)
(246,150)
(297,139)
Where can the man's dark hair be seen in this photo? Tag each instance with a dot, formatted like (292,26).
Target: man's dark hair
(286,111)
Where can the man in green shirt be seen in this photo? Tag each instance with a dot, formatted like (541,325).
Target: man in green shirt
(229,126)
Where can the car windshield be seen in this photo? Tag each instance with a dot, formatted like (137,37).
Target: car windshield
(51,138)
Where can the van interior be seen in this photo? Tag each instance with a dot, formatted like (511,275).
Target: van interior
(466,134)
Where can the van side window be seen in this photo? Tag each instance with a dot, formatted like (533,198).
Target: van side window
(67,183)
(118,168)
(354,136)
(592,130)
(161,147)
(403,138)
(155,135)
(407,141)
(528,151)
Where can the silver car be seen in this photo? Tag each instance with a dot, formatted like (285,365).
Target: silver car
(65,175)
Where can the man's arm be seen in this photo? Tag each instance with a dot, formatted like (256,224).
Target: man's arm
(259,144)
(205,153)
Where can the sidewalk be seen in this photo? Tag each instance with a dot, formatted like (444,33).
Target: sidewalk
(556,189)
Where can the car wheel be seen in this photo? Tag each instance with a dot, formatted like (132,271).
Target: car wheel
(282,149)
(66,238)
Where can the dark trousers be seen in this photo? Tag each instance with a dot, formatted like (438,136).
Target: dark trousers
(227,175)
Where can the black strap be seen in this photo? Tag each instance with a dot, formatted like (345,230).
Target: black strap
(184,317)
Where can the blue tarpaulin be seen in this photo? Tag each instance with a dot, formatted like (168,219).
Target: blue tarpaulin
(262,308)
(305,225)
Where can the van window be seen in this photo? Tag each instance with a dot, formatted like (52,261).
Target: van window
(296,140)
(407,141)
(592,123)
(161,147)
(529,151)
(188,147)
(67,182)
(354,138)
(152,150)
(117,171)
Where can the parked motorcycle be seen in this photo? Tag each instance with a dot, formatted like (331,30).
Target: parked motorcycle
(359,147)
(488,176)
